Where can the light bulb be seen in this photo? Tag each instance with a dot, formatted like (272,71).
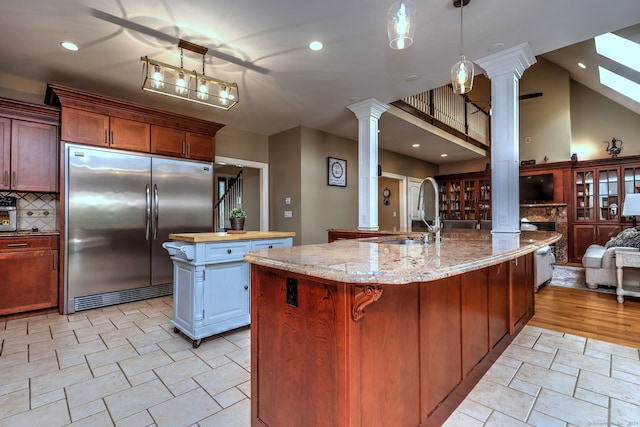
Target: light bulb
(224,95)
(203,90)
(157,80)
(181,84)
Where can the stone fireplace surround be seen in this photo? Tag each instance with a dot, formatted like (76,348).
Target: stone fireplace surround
(555,213)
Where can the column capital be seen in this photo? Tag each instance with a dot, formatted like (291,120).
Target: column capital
(369,107)
(514,60)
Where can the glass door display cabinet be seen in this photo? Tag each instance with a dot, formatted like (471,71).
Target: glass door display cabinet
(450,196)
(608,200)
(484,199)
(465,198)
(584,189)
(596,208)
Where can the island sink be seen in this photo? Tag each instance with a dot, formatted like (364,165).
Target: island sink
(401,242)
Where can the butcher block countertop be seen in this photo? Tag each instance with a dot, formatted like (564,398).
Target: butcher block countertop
(370,260)
(224,236)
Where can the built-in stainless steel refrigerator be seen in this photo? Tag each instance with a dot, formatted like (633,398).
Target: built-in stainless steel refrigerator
(119,209)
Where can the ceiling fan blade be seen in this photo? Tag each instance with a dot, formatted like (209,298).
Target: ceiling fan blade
(530,95)
(171,39)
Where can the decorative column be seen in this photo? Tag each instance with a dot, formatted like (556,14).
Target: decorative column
(505,69)
(368,113)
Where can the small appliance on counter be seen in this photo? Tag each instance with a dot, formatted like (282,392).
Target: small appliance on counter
(8,213)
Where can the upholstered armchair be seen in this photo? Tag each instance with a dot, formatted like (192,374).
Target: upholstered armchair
(600,263)
(543,266)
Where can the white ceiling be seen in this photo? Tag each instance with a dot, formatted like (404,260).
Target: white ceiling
(262,45)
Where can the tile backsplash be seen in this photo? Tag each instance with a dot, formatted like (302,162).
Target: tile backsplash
(36,210)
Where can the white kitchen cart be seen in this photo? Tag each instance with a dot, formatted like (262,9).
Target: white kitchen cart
(212,283)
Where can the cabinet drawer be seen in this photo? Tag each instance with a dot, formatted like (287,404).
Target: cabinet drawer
(271,243)
(227,251)
(30,243)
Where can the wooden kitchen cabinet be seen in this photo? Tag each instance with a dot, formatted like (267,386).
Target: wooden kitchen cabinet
(87,127)
(522,289)
(90,118)
(5,152)
(598,196)
(28,156)
(29,271)
(584,235)
(179,143)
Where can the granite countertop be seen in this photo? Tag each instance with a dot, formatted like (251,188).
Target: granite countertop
(370,261)
(224,236)
(28,233)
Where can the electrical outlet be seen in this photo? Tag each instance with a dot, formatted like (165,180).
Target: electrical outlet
(287,200)
(292,292)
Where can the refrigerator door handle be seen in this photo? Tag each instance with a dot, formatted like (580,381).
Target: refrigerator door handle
(157,208)
(148,219)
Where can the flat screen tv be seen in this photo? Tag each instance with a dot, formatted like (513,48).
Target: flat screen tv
(536,189)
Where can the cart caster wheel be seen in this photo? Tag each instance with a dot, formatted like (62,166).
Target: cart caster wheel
(196,343)
(176,330)
(620,299)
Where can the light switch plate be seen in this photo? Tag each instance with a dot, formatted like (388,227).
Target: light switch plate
(288,214)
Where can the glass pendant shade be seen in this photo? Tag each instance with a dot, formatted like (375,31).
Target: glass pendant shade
(462,74)
(401,24)
(181,84)
(158,77)
(203,89)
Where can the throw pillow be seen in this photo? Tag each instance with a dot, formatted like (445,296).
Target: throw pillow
(627,238)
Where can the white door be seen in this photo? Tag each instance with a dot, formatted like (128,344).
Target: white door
(414,193)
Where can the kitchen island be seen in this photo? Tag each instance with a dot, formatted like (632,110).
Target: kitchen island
(211,282)
(371,333)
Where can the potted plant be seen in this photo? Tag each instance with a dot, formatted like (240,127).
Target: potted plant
(236,218)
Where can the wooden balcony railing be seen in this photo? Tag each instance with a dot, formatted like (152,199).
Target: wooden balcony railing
(453,113)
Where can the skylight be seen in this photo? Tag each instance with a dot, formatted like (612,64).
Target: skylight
(622,51)
(619,49)
(620,84)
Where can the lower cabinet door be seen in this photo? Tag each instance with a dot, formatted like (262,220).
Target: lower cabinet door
(29,281)
(226,294)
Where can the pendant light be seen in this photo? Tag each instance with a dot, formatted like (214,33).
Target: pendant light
(401,24)
(181,83)
(462,71)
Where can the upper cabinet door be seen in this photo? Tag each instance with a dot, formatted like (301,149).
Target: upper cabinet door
(168,141)
(130,135)
(84,127)
(34,157)
(5,153)
(200,147)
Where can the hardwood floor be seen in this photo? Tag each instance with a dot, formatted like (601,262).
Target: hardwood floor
(588,314)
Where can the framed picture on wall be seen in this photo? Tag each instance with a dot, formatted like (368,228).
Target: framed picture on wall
(337,172)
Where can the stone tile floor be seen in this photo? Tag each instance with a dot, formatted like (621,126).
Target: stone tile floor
(124,366)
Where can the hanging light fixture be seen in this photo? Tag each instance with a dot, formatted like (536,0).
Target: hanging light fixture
(401,24)
(462,71)
(192,86)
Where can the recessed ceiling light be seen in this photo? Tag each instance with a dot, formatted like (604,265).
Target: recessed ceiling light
(415,145)
(496,47)
(69,46)
(581,65)
(443,155)
(315,45)
(412,78)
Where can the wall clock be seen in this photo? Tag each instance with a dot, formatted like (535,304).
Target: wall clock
(337,172)
(386,193)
